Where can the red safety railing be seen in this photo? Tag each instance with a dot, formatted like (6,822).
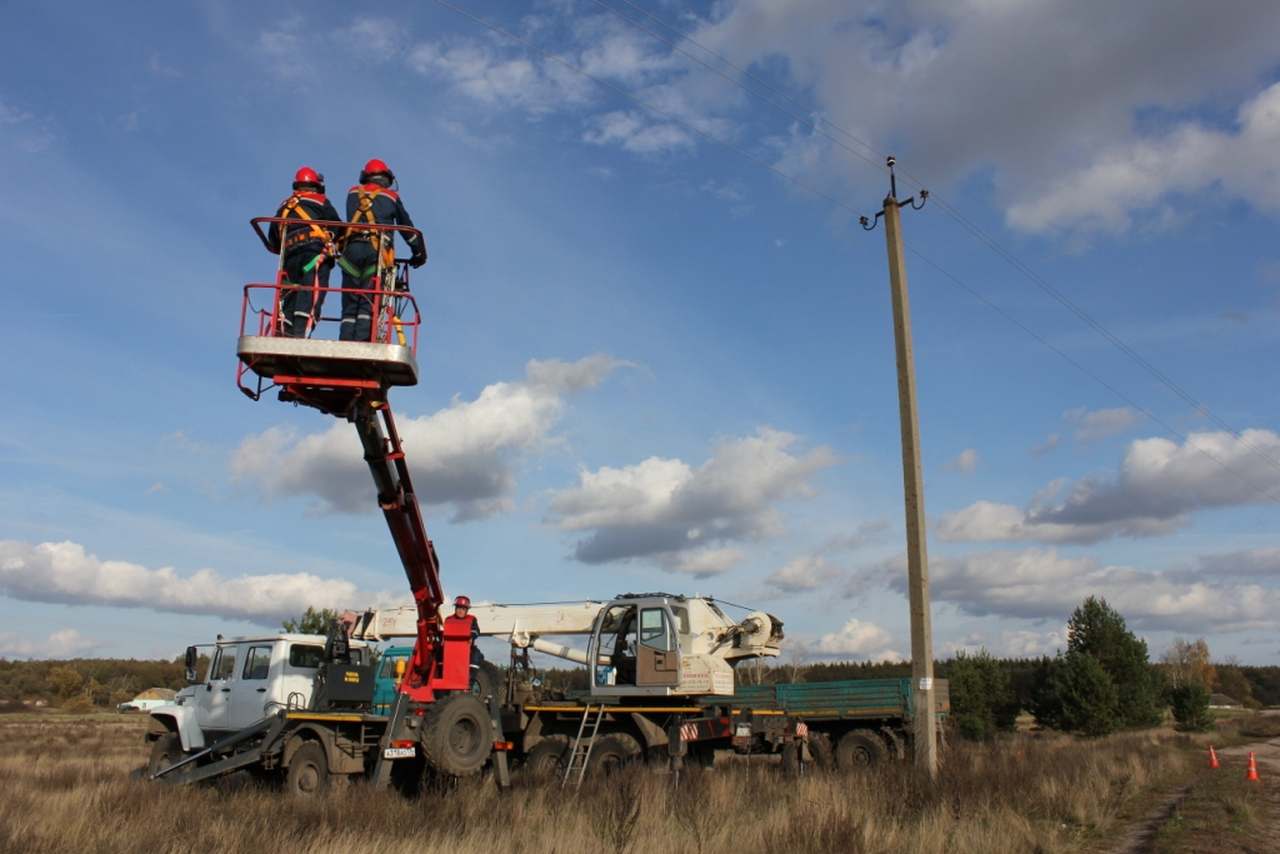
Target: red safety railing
(394,317)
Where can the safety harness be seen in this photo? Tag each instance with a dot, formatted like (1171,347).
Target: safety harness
(293,209)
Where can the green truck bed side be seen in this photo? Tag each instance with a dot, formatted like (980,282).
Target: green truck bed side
(846,699)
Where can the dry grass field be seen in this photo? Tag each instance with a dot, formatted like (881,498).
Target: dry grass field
(67,787)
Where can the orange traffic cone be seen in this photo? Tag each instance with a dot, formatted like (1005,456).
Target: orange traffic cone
(1253,768)
(1213,758)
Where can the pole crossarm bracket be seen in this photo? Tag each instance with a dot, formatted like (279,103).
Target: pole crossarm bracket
(870,223)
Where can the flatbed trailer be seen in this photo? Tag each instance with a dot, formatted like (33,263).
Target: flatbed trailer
(850,722)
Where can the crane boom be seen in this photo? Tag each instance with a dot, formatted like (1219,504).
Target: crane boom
(384,455)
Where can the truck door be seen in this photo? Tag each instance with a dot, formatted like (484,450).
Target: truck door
(212,703)
(250,692)
(657,658)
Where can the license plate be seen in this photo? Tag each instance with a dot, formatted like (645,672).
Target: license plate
(397,753)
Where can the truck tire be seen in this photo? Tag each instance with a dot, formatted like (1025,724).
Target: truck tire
(611,753)
(790,759)
(860,748)
(486,680)
(820,748)
(308,771)
(165,750)
(546,760)
(457,735)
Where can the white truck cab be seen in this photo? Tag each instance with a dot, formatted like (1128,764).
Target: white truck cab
(246,679)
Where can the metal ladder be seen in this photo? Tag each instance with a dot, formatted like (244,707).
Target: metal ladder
(582,745)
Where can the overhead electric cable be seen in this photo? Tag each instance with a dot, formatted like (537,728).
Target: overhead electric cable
(760,161)
(817,123)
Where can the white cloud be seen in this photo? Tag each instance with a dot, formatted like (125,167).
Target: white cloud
(1092,425)
(1138,175)
(64,643)
(1261,563)
(464,456)
(1043,584)
(636,132)
(858,639)
(804,573)
(375,39)
(1159,484)
(668,511)
(65,573)
(1050,443)
(966,462)
(497,79)
(936,75)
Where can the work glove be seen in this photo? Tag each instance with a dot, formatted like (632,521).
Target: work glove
(418,259)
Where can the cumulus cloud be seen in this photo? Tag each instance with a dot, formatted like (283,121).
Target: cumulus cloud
(858,639)
(636,133)
(966,462)
(1137,175)
(464,456)
(1159,485)
(65,573)
(805,573)
(64,643)
(1250,563)
(1043,584)
(1092,425)
(686,518)
(498,78)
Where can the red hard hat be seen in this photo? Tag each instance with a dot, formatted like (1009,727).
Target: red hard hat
(307,175)
(376,167)
(461,601)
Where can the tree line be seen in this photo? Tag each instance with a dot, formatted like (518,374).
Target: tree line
(1105,680)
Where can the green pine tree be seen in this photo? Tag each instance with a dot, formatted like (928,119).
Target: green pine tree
(1097,630)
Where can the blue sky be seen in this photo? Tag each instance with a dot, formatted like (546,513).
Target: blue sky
(649,360)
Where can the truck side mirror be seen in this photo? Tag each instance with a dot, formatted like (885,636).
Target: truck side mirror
(191,661)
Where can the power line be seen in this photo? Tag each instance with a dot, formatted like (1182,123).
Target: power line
(973,228)
(760,161)
(668,116)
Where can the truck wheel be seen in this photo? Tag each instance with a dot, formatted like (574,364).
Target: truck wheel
(820,748)
(165,750)
(308,771)
(791,759)
(546,760)
(859,748)
(485,681)
(611,753)
(457,735)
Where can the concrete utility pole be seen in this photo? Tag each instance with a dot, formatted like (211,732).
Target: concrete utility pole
(925,724)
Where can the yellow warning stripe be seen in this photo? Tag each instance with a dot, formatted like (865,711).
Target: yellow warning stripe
(574,710)
(321,716)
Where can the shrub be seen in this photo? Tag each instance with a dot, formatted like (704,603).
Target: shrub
(1190,704)
(1077,695)
(982,698)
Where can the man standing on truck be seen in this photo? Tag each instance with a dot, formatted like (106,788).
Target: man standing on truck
(373,201)
(308,258)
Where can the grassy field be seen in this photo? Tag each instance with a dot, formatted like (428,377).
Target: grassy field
(66,787)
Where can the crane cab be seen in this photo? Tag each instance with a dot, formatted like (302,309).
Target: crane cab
(659,644)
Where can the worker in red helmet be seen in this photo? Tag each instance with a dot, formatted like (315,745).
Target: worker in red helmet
(307,261)
(372,200)
(462,611)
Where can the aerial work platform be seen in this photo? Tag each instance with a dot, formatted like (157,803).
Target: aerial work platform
(315,369)
(286,360)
